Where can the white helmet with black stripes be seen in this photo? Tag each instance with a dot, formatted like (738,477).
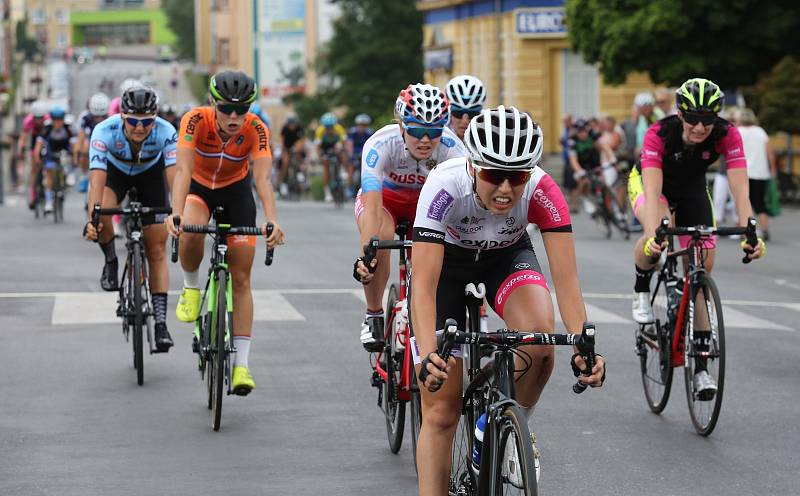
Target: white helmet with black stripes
(466,92)
(504,138)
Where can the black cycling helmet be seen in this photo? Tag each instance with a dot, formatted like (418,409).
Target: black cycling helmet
(139,100)
(232,86)
(699,95)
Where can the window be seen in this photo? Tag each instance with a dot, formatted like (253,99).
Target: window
(580,92)
(38,17)
(62,16)
(224,51)
(62,40)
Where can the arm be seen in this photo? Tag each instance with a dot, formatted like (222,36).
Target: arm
(262,169)
(181,180)
(23,138)
(560,248)
(78,146)
(740,188)
(373,204)
(653,179)
(37,151)
(773,164)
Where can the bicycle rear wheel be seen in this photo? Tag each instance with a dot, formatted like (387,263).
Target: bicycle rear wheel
(138,318)
(392,361)
(653,345)
(705,413)
(218,352)
(513,469)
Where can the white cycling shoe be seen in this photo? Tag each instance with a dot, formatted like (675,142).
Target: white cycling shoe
(642,310)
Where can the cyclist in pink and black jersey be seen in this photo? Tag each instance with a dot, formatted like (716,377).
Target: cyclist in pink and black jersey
(394,164)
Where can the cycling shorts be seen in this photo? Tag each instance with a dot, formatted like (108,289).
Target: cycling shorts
(501,270)
(51,164)
(400,205)
(237,202)
(151,189)
(693,207)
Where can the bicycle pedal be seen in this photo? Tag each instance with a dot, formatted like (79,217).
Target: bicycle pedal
(376,380)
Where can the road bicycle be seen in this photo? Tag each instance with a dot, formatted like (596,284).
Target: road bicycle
(337,183)
(135,302)
(487,466)
(680,304)
(609,213)
(393,368)
(213,339)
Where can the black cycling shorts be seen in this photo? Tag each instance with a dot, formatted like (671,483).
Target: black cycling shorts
(151,188)
(501,270)
(239,208)
(758,195)
(692,208)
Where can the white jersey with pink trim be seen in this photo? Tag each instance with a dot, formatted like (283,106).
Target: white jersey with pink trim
(386,163)
(448,211)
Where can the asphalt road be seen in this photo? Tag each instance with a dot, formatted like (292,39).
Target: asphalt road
(73,420)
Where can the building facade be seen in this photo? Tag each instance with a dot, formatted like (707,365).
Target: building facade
(519,49)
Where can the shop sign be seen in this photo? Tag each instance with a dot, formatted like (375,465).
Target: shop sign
(540,23)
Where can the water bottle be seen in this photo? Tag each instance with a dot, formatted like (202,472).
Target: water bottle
(673,299)
(480,426)
(400,322)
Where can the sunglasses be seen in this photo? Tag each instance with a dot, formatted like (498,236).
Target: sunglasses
(498,176)
(458,112)
(693,118)
(133,121)
(419,132)
(229,108)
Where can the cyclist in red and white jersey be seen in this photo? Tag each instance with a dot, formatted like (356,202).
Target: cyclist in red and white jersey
(394,164)
(469,228)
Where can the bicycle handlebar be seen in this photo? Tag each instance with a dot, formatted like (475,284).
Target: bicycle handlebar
(513,338)
(214,229)
(697,232)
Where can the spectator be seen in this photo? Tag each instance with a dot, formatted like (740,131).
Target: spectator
(644,105)
(664,103)
(761,165)
(569,182)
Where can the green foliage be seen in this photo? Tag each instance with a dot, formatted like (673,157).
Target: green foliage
(776,97)
(729,42)
(309,108)
(376,51)
(198,84)
(180,19)
(28,46)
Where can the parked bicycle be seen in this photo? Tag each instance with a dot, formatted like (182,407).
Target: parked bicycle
(393,369)
(135,302)
(503,461)
(689,330)
(213,340)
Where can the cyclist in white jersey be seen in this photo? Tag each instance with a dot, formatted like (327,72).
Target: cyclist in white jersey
(394,164)
(470,227)
(467,97)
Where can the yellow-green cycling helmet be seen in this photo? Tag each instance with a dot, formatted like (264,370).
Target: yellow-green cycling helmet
(699,95)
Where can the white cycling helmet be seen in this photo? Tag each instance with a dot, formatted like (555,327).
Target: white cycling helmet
(643,99)
(363,119)
(504,138)
(467,92)
(39,108)
(422,104)
(98,104)
(128,83)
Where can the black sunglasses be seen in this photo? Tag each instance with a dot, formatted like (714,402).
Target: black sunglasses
(133,121)
(229,108)
(498,176)
(458,112)
(692,118)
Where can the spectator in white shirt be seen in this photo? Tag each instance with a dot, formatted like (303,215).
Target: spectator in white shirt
(761,166)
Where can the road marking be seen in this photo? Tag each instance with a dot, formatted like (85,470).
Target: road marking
(787,284)
(269,305)
(736,318)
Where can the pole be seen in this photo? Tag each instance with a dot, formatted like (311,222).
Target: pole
(498,17)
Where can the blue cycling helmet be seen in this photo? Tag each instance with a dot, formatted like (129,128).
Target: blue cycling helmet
(328,119)
(57,112)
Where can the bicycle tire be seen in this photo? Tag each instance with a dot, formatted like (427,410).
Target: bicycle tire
(218,352)
(138,318)
(393,409)
(704,423)
(655,354)
(494,478)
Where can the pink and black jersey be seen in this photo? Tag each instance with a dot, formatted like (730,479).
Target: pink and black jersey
(448,212)
(683,165)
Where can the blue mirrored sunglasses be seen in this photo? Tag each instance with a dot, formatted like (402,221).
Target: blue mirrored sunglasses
(420,132)
(133,121)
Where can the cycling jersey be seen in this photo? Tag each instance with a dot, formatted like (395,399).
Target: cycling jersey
(684,165)
(584,151)
(216,163)
(358,139)
(448,211)
(109,145)
(385,162)
(329,139)
(87,122)
(55,140)
(291,136)
(30,126)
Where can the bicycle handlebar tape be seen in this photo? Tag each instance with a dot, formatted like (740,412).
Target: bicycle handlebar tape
(177,222)
(270,251)
(585,347)
(660,235)
(445,340)
(96,219)
(750,235)
(370,251)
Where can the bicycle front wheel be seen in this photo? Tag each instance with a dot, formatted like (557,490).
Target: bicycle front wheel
(138,317)
(218,352)
(512,469)
(392,361)
(703,408)
(653,345)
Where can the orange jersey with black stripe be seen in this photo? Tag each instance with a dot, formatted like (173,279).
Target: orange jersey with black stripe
(216,163)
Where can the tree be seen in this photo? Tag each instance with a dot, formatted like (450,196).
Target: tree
(730,42)
(776,97)
(25,44)
(180,19)
(375,51)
